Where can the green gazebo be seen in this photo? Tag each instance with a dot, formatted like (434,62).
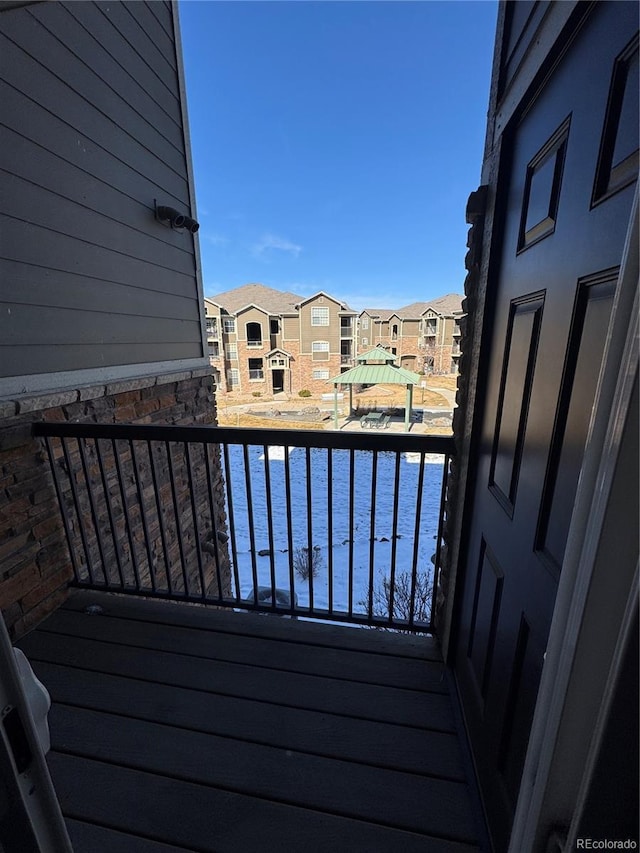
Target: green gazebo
(375,367)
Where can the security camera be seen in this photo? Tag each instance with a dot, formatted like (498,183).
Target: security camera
(191,225)
(171,215)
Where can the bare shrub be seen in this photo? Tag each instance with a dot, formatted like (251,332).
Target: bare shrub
(382,600)
(307,563)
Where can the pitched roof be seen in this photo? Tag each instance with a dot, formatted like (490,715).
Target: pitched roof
(376,374)
(271,300)
(449,304)
(376,355)
(343,305)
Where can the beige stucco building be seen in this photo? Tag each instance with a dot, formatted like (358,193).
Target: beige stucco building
(267,341)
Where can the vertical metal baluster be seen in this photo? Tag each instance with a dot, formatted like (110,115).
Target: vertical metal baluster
(287,489)
(372,531)
(92,505)
(63,509)
(112,522)
(125,510)
(252,535)
(232,528)
(214,524)
(76,502)
(352,477)
(436,568)
(394,536)
(416,541)
(176,515)
(310,552)
(330,526)
(143,516)
(272,559)
(195,516)
(163,535)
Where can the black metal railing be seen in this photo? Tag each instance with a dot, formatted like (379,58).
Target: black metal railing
(330,525)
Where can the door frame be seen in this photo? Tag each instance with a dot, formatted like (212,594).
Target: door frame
(32,788)
(575,632)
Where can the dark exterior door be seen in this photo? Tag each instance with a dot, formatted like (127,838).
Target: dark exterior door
(565,192)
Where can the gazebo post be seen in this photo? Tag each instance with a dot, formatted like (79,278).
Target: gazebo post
(335,405)
(407,408)
(350,400)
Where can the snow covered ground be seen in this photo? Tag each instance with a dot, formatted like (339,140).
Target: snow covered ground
(382,532)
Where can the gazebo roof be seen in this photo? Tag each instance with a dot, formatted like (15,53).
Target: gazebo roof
(377,354)
(376,374)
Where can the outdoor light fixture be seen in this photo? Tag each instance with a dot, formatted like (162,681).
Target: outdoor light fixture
(175,218)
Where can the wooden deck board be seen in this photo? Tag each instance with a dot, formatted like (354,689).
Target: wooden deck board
(290,657)
(205,819)
(256,625)
(371,702)
(181,729)
(379,744)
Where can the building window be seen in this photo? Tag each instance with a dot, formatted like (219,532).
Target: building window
(394,332)
(214,349)
(319,316)
(365,342)
(394,351)
(256,373)
(365,323)
(320,350)
(231,351)
(229,325)
(254,335)
(274,326)
(320,374)
(233,377)
(278,362)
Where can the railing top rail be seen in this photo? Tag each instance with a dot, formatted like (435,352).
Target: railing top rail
(365,440)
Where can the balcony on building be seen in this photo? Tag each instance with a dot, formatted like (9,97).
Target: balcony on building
(347,327)
(175,699)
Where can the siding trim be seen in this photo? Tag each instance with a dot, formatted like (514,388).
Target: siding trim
(17,386)
(189,164)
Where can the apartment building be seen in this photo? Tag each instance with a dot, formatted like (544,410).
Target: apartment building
(425,336)
(268,341)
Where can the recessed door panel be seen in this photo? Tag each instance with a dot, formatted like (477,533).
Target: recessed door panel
(549,306)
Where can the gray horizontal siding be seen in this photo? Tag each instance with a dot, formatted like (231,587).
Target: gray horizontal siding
(97,20)
(32,285)
(26,360)
(86,154)
(40,246)
(90,135)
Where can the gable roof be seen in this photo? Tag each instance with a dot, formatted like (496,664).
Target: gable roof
(449,304)
(270,300)
(340,302)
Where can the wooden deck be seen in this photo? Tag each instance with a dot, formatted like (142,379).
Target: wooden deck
(179,728)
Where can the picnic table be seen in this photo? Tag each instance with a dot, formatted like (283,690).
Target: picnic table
(374,419)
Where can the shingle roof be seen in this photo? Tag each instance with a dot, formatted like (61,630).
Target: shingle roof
(449,304)
(273,301)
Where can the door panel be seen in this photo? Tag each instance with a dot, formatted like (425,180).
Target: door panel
(553,268)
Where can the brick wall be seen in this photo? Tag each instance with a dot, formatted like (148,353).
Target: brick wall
(35,564)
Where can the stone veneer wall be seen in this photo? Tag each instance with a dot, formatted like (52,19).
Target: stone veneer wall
(35,565)
(475,215)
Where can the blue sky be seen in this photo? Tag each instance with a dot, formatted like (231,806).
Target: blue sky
(335,143)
